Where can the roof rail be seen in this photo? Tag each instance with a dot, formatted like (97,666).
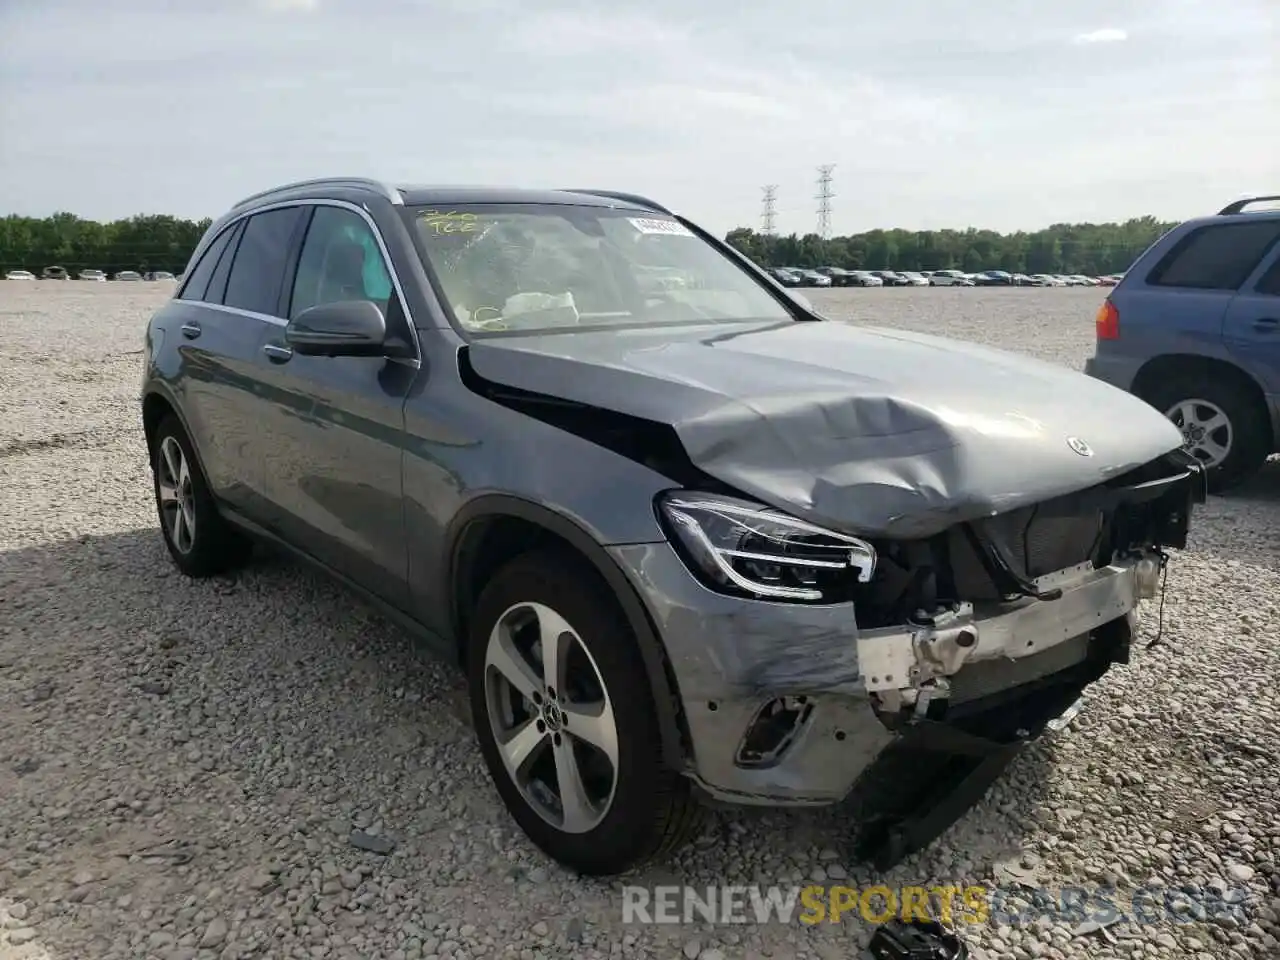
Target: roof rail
(635,198)
(1239,205)
(366,183)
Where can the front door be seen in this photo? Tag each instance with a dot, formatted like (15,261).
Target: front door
(335,427)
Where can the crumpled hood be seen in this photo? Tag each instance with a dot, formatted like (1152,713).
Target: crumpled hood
(874,431)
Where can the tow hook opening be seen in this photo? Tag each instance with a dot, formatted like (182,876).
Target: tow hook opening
(773,730)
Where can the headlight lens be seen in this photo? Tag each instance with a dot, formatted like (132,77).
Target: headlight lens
(745,548)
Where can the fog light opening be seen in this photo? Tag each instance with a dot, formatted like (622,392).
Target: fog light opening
(773,730)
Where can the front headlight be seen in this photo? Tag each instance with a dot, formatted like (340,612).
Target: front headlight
(745,548)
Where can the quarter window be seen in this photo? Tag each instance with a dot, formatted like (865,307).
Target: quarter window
(340,260)
(198,282)
(258,271)
(1218,257)
(218,282)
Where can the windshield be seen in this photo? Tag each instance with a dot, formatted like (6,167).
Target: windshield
(526,267)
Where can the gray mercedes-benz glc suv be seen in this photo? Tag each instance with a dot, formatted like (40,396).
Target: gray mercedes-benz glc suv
(688,539)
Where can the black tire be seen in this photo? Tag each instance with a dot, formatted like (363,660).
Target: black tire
(215,546)
(652,812)
(1250,426)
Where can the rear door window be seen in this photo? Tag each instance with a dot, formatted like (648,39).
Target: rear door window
(260,261)
(1216,257)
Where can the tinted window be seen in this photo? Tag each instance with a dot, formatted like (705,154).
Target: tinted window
(199,280)
(340,260)
(1218,257)
(218,282)
(1270,282)
(254,283)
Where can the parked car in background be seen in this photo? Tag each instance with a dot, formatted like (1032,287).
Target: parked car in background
(890,278)
(812,278)
(19,275)
(864,278)
(1045,280)
(672,556)
(914,279)
(839,276)
(54,273)
(128,275)
(994,278)
(785,277)
(95,275)
(1193,328)
(158,275)
(946,278)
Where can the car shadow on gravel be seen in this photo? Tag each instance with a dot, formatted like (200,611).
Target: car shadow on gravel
(1262,487)
(1242,525)
(276,687)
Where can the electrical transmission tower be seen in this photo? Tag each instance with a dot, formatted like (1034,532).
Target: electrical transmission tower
(824,200)
(769,214)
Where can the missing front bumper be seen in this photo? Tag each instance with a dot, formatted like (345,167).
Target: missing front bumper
(934,772)
(913,666)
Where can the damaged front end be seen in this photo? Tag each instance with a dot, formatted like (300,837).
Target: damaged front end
(965,644)
(960,616)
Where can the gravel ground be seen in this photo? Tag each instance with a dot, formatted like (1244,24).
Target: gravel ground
(182,764)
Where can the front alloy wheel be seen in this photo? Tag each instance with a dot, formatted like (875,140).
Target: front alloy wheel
(551,717)
(567,720)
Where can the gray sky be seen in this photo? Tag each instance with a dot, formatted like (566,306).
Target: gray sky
(937,113)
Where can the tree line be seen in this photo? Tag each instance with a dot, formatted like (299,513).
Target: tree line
(1092,249)
(160,242)
(142,243)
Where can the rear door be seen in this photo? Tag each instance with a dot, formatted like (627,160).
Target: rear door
(234,301)
(336,424)
(1251,329)
(214,385)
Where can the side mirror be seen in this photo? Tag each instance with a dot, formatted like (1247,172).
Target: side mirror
(347,328)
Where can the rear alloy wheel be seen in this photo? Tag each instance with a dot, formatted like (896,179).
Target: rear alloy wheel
(566,721)
(1221,424)
(200,540)
(1207,433)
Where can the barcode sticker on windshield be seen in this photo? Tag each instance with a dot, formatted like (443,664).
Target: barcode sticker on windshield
(669,227)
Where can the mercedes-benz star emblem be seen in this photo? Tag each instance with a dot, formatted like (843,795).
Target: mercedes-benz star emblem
(1079,446)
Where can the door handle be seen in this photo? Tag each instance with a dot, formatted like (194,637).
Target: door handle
(191,330)
(1266,324)
(278,352)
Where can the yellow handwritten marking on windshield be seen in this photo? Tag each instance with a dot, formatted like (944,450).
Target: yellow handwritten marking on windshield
(442,222)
